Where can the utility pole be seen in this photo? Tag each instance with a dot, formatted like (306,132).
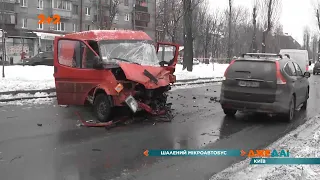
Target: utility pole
(100,14)
(81,14)
(2,36)
(134,17)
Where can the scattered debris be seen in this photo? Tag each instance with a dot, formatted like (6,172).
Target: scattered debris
(214,91)
(96,150)
(215,99)
(194,98)
(17,157)
(39,124)
(207,89)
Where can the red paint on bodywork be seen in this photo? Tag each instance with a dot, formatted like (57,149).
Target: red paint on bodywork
(74,84)
(98,35)
(134,72)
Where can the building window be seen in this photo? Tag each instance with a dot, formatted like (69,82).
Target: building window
(61,4)
(88,9)
(75,9)
(60,26)
(88,27)
(126,2)
(40,26)
(75,29)
(24,23)
(40,4)
(127,17)
(116,17)
(24,3)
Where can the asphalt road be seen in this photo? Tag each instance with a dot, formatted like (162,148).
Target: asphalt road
(45,142)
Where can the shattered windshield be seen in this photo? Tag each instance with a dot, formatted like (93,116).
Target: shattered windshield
(138,52)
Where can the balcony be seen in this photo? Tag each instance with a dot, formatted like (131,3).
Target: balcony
(140,8)
(8,7)
(8,18)
(62,13)
(140,16)
(141,24)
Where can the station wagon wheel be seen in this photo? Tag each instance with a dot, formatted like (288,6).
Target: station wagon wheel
(305,104)
(290,114)
(102,107)
(229,112)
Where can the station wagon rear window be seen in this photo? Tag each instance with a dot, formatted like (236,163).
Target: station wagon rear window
(256,69)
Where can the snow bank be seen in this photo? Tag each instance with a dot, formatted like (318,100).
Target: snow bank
(302,142)
(201,71)
(41,77)
(27,78)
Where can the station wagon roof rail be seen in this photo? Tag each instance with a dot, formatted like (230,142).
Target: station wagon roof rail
(258,55)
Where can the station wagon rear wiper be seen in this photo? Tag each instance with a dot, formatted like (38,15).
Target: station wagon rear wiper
(125,60)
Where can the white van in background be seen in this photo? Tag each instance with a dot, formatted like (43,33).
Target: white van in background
(298,56)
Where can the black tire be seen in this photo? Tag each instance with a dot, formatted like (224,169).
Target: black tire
(229,112)
(102,107)
(288,117)
(314,73)
(305,104)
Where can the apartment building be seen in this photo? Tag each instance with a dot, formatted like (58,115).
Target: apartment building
(24,33)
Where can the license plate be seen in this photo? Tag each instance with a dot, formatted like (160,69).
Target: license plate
(132,103)
(249,84)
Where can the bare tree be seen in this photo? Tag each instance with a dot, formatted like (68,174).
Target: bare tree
(270,13)
(318,23)
(113,12)
(188,35)
(229,53)
(254,23)
(306,40)
(176,15)
(314,41)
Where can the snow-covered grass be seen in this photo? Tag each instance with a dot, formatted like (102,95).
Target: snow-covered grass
(201,71)
(27,78)
(20,78)
(302,142)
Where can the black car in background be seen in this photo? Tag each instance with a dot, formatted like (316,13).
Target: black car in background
(43,58)
(316,68)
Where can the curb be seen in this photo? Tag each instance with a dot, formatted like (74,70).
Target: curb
(51,90)
(26,98)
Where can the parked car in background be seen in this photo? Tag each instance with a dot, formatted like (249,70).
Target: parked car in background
(264,83)
(316,68)
(298,56)
(43,58)
(195,61)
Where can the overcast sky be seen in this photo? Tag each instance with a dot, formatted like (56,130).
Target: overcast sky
(295,15)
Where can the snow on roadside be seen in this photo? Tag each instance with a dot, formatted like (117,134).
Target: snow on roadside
(26,95)
(302,142)
(27,78)
(201,71)
(41,77)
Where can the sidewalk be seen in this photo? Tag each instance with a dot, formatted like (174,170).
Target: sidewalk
(302,142)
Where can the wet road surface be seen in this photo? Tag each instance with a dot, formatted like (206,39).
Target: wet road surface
(44,141)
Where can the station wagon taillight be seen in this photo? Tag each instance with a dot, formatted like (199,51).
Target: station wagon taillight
(280,78)
(225,73)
